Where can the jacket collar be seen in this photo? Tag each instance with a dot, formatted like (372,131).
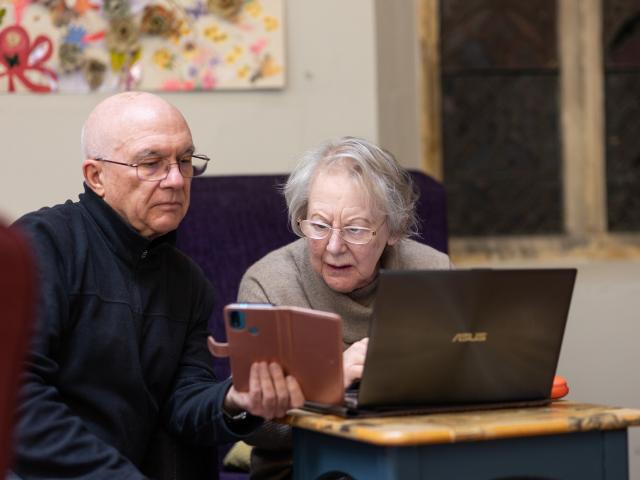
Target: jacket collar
(123,240)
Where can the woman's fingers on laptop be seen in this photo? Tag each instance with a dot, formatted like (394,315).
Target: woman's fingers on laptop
(353,361)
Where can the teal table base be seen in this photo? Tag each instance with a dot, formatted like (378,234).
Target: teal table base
(591,455)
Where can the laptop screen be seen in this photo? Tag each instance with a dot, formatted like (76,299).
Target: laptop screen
(465,336)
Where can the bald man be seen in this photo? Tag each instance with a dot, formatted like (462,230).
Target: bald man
(120,344)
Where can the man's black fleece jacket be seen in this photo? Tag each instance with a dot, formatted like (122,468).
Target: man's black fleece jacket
(119,348)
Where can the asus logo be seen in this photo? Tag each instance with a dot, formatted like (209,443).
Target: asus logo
(470,337)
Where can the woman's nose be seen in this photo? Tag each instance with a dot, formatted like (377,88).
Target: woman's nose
(336,243)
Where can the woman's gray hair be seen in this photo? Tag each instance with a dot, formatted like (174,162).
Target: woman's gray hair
(388,185)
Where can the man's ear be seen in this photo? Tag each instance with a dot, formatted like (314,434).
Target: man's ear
(92,171)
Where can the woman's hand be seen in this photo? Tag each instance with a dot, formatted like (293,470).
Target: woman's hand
(353,361)
(270,393)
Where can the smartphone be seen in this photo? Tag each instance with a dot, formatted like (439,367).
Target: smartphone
(306,343)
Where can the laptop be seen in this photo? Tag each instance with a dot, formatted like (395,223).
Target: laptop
(451,340)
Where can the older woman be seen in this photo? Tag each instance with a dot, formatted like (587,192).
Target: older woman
(354,207)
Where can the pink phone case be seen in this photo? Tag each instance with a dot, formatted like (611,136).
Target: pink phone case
(306,343)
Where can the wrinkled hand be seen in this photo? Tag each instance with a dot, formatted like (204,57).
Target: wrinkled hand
(353,361)
(270,393)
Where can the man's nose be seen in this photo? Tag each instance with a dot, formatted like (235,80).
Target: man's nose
(174,177)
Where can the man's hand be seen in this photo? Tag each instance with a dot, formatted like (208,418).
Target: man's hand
(270,393)
(353,361)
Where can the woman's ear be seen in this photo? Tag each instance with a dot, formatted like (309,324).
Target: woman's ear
(393,240)
(92,171)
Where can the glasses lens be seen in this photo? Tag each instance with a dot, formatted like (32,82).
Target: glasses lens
(315,230)
(186,167)
(153,170)
(357,235)
(195,167)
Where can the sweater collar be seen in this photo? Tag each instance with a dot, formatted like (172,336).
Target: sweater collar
(125,242)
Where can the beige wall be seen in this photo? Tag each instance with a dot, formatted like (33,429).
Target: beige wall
(398,80)
(331,90)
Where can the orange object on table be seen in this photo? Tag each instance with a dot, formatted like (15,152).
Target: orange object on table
(559,388)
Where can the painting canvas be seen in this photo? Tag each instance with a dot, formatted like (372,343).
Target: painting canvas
(81,46)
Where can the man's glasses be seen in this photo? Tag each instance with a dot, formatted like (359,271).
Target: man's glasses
(350,234)
(153,170)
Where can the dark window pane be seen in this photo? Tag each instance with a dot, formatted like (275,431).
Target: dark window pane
(501,152)
(621,37)
(498,34)
(623,150)
(621,33)
(501,148)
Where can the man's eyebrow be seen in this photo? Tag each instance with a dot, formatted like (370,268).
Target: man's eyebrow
(158,153)
(149,153)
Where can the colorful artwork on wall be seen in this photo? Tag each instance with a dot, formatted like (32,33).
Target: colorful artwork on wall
(81,46)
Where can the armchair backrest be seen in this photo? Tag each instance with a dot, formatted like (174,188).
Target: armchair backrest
(17,298)
(234,221)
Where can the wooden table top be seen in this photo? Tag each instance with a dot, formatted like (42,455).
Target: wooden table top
(558,417)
